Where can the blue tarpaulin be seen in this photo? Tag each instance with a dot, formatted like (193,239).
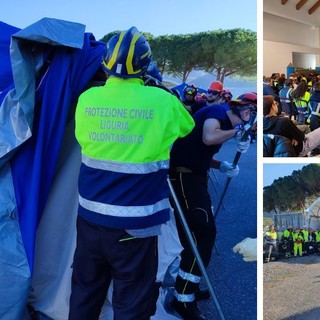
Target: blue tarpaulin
(50,64)
(44,69)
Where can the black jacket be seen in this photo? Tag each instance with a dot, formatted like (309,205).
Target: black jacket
(314,104)
(277,146)
(283,126)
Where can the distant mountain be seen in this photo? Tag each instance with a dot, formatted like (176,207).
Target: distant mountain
(202,80)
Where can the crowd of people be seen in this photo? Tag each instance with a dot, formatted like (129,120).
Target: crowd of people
(295,95)
(291,109)
(292,242)
(123,194)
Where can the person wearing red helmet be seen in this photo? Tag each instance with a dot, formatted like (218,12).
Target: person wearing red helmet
(190,161)
(226,95)
(246,101)
(214,92)
(214,96)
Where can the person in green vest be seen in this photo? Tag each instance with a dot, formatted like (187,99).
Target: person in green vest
(287,242)
(301,97)
(125,130)
(271,240)
(297,242)
(305,234)
(317,245)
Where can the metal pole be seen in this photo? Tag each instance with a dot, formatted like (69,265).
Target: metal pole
(213,184)
(235,162)
(195,250)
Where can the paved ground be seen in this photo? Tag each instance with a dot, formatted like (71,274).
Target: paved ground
(234,280)
(291,289)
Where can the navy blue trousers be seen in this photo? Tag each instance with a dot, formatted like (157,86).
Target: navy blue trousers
(104,254)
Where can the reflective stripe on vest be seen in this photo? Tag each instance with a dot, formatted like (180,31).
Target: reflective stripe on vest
(316,112)
(131,168)
(124,211)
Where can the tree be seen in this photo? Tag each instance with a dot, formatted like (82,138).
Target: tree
(309,176)
(183,58)
(291,197)
(224,52)
(292,193)
(163,48)
(109,35)
(270,197)
(235,52)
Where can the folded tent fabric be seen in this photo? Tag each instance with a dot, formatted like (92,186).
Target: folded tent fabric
(33,116)
(5,65)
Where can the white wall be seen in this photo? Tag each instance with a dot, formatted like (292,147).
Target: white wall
(277,56)
(288,31)
(283,37)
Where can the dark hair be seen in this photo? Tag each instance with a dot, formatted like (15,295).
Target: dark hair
(267,79)
(300,90)
(267,104)
(316,86)
(288,83)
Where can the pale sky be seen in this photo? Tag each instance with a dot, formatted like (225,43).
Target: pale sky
(157,17)
(274,171)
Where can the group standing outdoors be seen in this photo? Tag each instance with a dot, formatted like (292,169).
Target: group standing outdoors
(291,242)
(132,138)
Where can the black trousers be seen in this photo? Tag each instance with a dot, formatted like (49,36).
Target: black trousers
(192,193)
(104,254)
(289,248)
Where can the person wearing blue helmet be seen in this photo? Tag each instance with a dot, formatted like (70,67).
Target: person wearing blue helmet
(125,130)
(190,91)
(193,99)
(153,71)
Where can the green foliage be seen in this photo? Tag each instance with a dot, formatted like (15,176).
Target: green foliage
(224,52)
(270,198)
(291,193)
(108,36)
(309,177)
